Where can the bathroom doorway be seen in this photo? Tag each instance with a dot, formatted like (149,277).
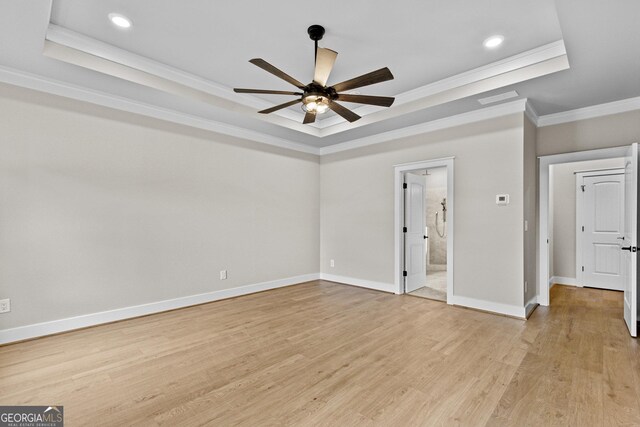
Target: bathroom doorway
(435,234)
(424,246)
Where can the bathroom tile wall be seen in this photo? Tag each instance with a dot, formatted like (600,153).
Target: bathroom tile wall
(436,192)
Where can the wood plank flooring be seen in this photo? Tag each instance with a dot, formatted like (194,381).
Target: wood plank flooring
(321,353)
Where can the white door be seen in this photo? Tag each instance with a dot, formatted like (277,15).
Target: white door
(414,219)
(603,231)
(630,250)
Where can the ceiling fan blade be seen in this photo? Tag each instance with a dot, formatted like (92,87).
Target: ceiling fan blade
(280,107)
(344,112)
(271,92)
(378,76)
(310,117)
(325,59)
(276,72)
(383,101)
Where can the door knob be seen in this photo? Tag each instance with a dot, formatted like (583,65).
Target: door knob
(629,248)
(620,238)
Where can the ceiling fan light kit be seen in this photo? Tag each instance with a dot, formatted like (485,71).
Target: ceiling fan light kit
(311,103)
(318,98)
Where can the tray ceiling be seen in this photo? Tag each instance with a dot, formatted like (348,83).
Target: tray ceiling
(185,58)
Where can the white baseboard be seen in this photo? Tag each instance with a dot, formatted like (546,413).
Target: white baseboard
(559,280)
(495,307)
(530,306)
(71,323)
(509,310)
(378,286)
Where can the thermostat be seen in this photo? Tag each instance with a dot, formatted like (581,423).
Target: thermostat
(502,199)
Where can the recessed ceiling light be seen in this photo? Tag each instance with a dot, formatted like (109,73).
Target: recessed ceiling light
(493,41)
(120,20)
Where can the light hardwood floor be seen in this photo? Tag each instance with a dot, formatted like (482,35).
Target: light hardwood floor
(327,354)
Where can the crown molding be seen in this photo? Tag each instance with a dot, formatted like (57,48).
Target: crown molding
(531,113)
(516,62)
(67,90)
(517,106)
(537,62)
(69,46)
(75,48)
(43,84)
(606,109)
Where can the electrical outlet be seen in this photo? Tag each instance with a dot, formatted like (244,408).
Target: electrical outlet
(5,305)
(332,263)
(223,274)
(526,225)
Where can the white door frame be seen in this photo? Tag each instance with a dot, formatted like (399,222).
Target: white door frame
(543,205)
(579,213)
(399,171)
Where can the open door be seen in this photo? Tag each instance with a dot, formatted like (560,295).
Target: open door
(414,223)
(630,257)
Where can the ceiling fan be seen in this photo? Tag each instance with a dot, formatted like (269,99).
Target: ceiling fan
(316,97)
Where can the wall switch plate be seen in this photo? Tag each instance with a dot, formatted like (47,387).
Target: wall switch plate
(526,225)
(332,263)
(223,274)
(525,286)
(5,305)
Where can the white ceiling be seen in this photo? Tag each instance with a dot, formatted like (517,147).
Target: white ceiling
(422,42)
(216,42)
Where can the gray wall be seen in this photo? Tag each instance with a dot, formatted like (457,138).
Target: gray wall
(102,210)
(530,168)
(357,207)
(550,224)
(601,132)
(563,212)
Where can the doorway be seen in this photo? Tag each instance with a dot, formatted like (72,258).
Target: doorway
(426,236)
(547,270)
(424,229)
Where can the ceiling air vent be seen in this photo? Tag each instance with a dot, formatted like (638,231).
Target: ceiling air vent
(498,98)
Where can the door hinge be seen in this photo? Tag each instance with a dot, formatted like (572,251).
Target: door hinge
(583,228)
(404,273)
(404,229)
(582,188)
(404,185)
(583,268)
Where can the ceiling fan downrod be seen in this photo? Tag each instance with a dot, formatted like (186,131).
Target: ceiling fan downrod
(316,32)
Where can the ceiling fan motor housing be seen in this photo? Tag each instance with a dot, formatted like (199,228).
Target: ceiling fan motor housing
(314,89)
(316,32)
